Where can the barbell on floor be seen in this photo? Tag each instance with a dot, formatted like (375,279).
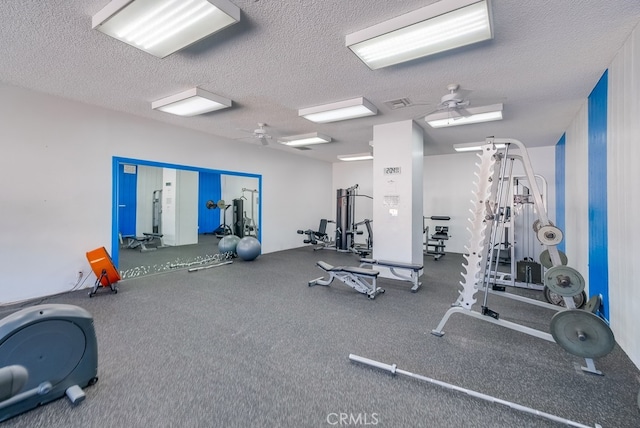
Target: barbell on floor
(393,369)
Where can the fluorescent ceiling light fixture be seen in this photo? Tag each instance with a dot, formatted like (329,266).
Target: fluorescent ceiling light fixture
(474,147)
(441,26)
(341,110)
(476,115)
(191,102)
(305,139)
(356,157)
(162,27)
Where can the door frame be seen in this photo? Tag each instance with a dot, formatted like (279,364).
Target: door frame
(115,177)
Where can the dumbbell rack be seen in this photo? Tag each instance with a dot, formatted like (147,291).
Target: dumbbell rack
(580,332)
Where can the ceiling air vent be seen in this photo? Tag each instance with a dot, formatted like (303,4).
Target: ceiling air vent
(399,103)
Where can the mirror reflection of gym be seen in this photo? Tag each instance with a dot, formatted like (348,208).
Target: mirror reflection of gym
(165,220)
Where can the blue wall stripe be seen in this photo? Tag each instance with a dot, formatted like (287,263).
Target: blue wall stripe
(560,187)
(598,253)
(115,239)
(209,189)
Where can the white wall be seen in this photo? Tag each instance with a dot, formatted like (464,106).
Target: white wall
(149,180)
(447,187)
(576,233)
(623,177)
(56,175)
(179,207)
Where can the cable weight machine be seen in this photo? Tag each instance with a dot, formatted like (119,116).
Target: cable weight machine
(346,227)
(517,242)
(244,225)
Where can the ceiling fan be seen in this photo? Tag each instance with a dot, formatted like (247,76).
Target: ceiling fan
(455,102)
(260,133)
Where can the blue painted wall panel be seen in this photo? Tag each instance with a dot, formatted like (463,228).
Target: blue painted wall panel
(127,199)
(209,189)
(598,240)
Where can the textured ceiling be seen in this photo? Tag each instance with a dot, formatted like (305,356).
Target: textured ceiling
(545,58)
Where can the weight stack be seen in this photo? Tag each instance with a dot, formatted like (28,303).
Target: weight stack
(529,272)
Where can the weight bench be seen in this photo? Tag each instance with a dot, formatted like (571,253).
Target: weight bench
(360,279)
(434,245)
(141,242)
(412,267)
(318,237)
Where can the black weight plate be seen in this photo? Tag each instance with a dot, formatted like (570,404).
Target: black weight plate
(593,305)
(564,280)
(545,259)
(582,333)
(579,299)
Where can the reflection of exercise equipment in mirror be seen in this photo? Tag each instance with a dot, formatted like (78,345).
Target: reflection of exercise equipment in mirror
(434,245)
(46,352)
(157,212)
(244,225)
(223,229)
(583,333)
(148,241)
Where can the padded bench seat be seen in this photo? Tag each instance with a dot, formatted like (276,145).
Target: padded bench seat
(360,279)
(414,268)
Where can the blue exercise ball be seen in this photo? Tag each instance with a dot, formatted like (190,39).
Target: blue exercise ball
(228,244)
(248,248)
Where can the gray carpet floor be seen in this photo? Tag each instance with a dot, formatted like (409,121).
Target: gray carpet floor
(251,345)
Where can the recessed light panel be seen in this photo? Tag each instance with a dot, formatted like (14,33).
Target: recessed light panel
(191,103)
(161,27)
(441,26)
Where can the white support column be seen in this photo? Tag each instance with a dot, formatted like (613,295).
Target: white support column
(397,192)
(179,207)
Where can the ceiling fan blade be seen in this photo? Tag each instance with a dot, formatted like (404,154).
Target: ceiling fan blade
(463,112)
(245,130)
(463,93)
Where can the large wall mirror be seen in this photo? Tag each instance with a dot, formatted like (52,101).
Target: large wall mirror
(168,217)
